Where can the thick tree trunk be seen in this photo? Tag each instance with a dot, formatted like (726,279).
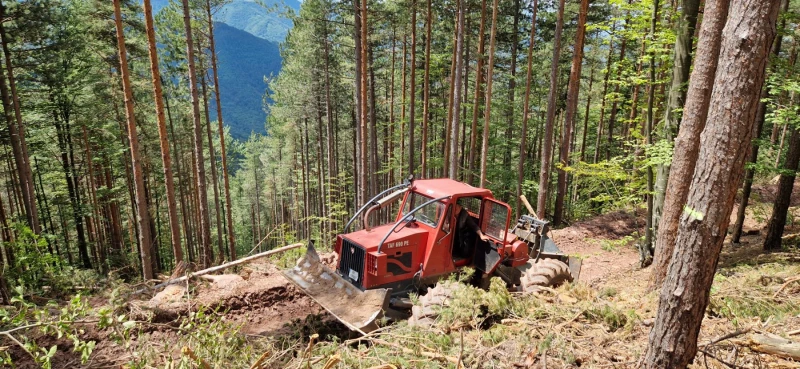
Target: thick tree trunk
(222,148)
(476,102)
(676,97)
(142,213)
(552,99)
(200,169)
(683,300)
(692,124)
(749,173)
(487,114)
(172,208)
(454,126)
(777,222)
(572,108)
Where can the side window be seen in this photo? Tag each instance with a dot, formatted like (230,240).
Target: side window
(495,217)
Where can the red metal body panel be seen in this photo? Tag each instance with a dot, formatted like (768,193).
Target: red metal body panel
(417,245)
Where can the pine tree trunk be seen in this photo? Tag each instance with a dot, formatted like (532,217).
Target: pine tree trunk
(220,125)
(212,158)
(364,163)
(413,88)
(142,214)
(682,59)
(684,297)
(487,113)
(552,99)
(572,108)
(17,132)
(646,250)
(202,195)
(426,93)
(601,122)
(476,102)
(693,122)
(526,110)
(777,222)
(459,59)
(172,210)
(749,173)
(512,85)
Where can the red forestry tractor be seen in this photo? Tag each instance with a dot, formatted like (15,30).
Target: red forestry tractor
(442,226)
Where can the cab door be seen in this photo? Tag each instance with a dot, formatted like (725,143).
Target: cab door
(495,218)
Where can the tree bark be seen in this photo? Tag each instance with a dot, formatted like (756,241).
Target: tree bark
(646,250)
(747,37)
(487,114)
(572,108)
(172,208)
(547,143)
(749,173)
(688,140)
(202,194)
(364,163)
(676,97)
(777,222)
(222,148)
(526,110)
(412,88)
(426,93)
(473,135)
(142,214)
(17,132)
(454,126)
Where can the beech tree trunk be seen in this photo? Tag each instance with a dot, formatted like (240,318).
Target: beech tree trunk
(694,120)
(552,99)
(487,114)
(684,297)
(572,108)
(142,214)
(206,255)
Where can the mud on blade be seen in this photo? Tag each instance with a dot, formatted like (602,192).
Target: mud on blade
(357,309)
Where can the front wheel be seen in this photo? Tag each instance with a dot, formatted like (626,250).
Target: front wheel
(544,273)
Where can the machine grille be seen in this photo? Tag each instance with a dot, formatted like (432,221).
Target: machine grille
(351,263)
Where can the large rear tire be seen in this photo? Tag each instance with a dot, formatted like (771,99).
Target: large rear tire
(545,273)
(427,311)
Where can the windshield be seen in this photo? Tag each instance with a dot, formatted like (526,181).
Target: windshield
(429,214)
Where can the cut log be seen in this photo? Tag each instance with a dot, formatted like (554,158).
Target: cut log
(775,345)
(219,267)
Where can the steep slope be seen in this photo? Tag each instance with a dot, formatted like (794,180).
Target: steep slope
(244,61)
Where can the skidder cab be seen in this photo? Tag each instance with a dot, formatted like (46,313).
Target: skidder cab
(442,226)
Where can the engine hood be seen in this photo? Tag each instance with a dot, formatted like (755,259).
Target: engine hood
(408,236)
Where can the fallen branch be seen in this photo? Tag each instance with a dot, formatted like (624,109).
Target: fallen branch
(219,267)
(734,366)
(775,345)
(788,281)
(792,333)
(260,360)
(728,336)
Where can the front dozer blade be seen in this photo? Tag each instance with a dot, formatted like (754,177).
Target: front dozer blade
(358,310)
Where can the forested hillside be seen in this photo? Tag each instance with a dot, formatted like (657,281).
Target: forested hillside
(662,137)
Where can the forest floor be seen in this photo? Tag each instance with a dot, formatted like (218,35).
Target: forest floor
(602,321)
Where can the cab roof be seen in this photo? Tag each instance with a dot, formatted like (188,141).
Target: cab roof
(447,187)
